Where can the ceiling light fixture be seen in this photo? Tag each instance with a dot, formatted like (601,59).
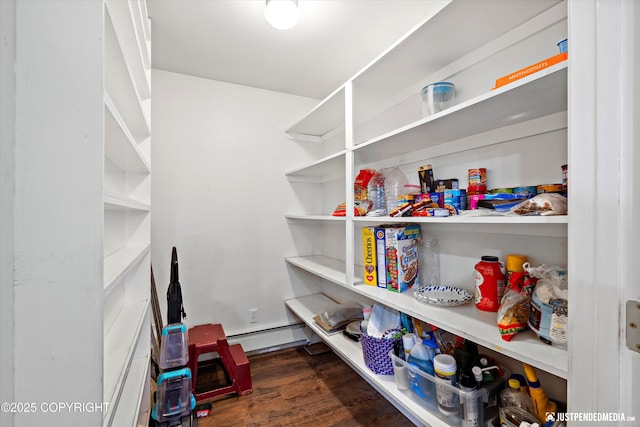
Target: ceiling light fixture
(282,14)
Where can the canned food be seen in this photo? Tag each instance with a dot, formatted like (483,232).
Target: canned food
(477,181)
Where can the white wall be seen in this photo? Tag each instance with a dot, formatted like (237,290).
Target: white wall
(219,195)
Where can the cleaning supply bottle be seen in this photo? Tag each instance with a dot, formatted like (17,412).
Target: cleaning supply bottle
(470,403)
(420,359)
(514,396)
(541,403)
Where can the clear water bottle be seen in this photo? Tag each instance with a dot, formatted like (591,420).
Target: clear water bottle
(429,266)
(376,195)
(394,182)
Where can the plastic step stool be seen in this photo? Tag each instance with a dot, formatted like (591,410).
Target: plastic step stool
(210,338)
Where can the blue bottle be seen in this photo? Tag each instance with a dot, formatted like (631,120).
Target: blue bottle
(421,358)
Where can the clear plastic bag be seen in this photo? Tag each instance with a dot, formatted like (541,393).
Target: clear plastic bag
(542,204)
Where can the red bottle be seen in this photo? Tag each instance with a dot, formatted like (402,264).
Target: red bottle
(489,277)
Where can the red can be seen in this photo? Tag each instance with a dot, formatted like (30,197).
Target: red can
(489,277)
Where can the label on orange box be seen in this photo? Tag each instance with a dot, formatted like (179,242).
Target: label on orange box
(531,69)
(369,256)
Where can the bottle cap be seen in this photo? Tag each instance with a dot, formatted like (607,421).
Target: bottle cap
(477,373)
(514,262)
(408,341)
(445,364)
(514,383)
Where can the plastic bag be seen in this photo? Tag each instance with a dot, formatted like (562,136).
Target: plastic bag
(542,204)
(549,314)
(342,313)
(513,313)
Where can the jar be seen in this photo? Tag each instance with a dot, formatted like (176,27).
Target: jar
(429,266)
(489,277)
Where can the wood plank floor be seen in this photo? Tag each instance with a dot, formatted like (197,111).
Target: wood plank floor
(293,388)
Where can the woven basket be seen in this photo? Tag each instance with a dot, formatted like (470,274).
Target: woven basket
(376,353)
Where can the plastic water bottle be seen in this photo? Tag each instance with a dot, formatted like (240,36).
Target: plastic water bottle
(429,267)
(420,359)
(394,182)
(376,195)
(514,396)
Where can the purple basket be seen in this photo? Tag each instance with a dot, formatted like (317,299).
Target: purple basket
(376,353)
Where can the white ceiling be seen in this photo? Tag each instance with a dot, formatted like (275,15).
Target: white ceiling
(230,41)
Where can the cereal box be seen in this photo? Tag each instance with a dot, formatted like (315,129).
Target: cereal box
(381,261)
(401,256)
(369,256)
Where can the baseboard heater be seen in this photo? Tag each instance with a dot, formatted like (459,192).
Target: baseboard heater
(272,339)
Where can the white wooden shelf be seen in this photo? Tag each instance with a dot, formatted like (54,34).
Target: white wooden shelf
(322,121)
(465,321)
(541,94)
(129,402)
(323,170)
(120,146)
(328,268)
(117,201)
(478,326)
(351,352)
(118,264)
(119,348)
(416,55)
(121,86)
(126,24)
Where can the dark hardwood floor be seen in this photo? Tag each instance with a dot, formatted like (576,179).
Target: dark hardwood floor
(293,388)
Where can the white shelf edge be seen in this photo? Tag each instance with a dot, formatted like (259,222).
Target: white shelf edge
(119,348)
(120,262)
(128,406)
(305,217)
(463,219)
(117,201)
(465,321)
(464,105)
(133,159)
(306,307)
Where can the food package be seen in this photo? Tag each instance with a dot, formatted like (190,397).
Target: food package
(361,202)
(542,204)
(513,313)
(401,256)
(549,314)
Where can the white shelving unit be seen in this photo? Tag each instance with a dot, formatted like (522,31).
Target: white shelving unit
(127,211)
(377,115)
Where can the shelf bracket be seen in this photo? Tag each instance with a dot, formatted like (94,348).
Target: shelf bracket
(633,325)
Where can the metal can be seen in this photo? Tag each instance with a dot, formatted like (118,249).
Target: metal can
(477,181)
(489,277)
(564,178)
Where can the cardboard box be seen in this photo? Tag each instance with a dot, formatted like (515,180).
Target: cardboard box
(446,184)
(427,183)
(401,246)
(381,263)
(455,201)
(370,263)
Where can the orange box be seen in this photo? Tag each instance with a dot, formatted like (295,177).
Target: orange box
(527,71)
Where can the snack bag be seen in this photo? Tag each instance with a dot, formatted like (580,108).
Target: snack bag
(515,305)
